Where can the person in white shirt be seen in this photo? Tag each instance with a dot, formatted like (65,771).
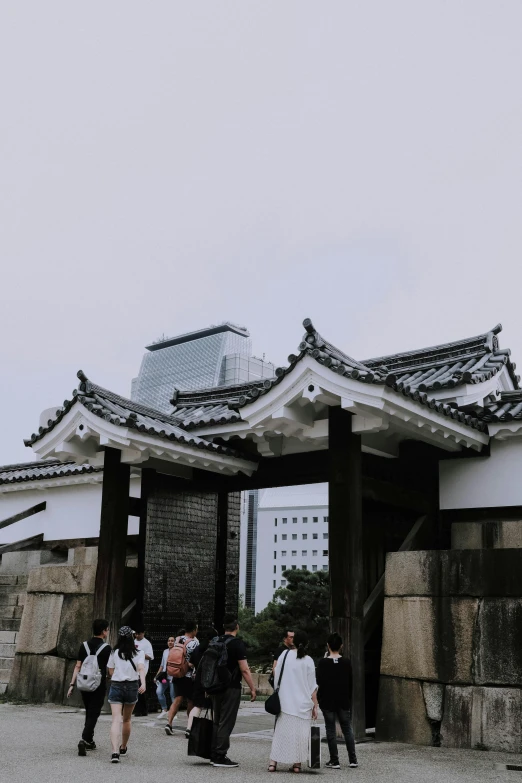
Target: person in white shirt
(184,686)
(126,667)
(163,680)
(146,647)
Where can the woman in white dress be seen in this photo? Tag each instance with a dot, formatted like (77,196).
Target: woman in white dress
(298,696)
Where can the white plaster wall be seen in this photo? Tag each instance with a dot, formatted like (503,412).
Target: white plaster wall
(488,481)
(72,512)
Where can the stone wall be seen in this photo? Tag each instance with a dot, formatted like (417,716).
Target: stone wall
(451,665)
(57,616)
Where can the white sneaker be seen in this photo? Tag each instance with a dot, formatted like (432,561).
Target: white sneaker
(161,715)
(176,717)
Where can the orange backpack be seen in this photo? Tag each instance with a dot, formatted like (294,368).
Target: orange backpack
(177,664)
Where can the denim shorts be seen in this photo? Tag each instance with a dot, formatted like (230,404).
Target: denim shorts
(125,692)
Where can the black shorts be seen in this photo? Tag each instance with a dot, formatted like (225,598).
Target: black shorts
(183,686)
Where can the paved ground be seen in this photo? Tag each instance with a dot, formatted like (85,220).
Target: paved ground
(40,743)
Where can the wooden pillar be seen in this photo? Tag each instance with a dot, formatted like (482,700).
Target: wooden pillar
(346,551)
(147,481)
(112,546)
(220,595)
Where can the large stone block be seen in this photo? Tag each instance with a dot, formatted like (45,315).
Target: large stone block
(37,678)
(20,562)
(496,719)
(456,722)
(76,699)
(75,624)
(433,693)
(83,556)
(498,655)
(401,714)
(462,572)
(40,623)
(62,579)
(429,638)
(466,535)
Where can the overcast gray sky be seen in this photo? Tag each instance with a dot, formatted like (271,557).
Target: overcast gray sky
(167,165)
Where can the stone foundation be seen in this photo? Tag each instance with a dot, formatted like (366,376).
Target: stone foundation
(451,665)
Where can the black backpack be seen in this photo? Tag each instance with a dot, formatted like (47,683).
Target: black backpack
(215,674)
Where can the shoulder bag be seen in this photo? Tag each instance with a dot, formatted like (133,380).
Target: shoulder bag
(273,703)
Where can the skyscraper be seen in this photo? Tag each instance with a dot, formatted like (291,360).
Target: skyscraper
(215,356)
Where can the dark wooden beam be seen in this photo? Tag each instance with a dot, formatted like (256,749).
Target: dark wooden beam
(135,505)
(112,546)
(147,482)
(484,514)
(25,543)
(220,596)
(346,551)
(23,514)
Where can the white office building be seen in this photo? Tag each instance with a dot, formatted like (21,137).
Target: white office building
(292,532)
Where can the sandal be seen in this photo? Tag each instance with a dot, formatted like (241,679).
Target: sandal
(272,767)
(295,768)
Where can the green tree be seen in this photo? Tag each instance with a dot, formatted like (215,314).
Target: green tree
(302,605)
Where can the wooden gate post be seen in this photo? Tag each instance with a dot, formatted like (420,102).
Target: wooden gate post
(346,551)
(112,545)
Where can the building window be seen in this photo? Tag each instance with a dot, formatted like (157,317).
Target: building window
(325,567)
(304,553)
(314,552)
(285,520)
(294,552)
(283,553)
(305,536)
(294,568)
(305,520)
(316,519)
(305,568)
(325,553)
(325,536)
(294,520)
(275,522)
(275,539)
(274,583)
(275,569)
(294,536)
(283,582)
(325,519)
(284,537)
(314,535)
(275,555)
(314,568)
(283,568)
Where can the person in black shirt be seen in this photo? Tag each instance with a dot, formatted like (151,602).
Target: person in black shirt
(225,705)
(288,644)
(334,678)
(93,700)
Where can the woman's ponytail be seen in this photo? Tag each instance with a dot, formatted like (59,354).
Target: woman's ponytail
(301,643)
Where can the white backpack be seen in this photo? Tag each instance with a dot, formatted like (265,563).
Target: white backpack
(90,677)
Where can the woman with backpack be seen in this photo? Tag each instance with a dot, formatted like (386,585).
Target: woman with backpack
(199,698)
(126,667)
(295,677)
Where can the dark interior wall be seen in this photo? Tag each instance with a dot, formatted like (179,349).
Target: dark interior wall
(234,524)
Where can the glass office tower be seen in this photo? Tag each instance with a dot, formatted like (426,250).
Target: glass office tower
(216,356)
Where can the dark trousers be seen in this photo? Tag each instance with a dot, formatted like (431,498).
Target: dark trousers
(225,707)
(345,720)
(93,703)
(141,706)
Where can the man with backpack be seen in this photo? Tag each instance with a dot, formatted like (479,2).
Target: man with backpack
(89,675)
(222,667)
(182,671)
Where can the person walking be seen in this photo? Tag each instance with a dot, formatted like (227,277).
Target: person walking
(92,700)
(225,705)
(126,667)
(200,699)
(184,685)
(145,646)
(298,697)
(163,680)
(334,678)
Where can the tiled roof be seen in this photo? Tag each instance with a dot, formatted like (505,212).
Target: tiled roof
(216,405)
(472,360)
(508,408)
(120,411)
(44,469)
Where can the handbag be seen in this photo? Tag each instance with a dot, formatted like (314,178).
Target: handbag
(314,747)
(273,703)
(200,740)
